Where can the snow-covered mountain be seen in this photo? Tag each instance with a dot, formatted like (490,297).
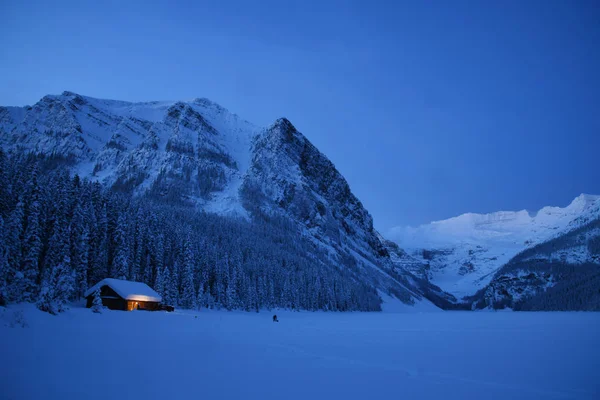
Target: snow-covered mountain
(562,273)
(196,148)
(197,152)
(462,254)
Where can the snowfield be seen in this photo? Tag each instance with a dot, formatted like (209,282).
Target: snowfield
(235,355)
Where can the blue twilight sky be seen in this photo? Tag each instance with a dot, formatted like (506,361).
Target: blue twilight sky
(429,108)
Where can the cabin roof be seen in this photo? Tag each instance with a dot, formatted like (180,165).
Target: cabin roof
(128,290)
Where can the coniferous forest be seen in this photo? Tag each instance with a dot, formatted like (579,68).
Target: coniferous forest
(60,234)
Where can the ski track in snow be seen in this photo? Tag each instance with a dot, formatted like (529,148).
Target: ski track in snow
(308,355)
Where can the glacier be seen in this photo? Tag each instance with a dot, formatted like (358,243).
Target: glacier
(464,252)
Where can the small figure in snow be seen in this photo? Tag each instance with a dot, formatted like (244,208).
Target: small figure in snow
(275,318)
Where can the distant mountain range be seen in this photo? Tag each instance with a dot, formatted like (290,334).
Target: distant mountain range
(497,252)
(199,154)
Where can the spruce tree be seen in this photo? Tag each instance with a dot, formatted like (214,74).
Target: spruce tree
(59,243)
(171,293)
(120,267)
(46,298)
(101,243)
(159,252)
(63,280)
(14,250)
(97,305)
(188,294)
(81,250)
(231,294)
(79,240)
(5,189)
(3,265)
(159,285)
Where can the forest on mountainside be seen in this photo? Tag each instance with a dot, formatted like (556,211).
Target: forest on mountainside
(60,234)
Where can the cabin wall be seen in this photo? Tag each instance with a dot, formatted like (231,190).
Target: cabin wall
(110,303)
(110,299)
(142,305)
(115,304)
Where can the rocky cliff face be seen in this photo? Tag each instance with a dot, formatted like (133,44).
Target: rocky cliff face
(293,175)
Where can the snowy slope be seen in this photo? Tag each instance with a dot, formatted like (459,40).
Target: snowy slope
(462,253)
(307,355)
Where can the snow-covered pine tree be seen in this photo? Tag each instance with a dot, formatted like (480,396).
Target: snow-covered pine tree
(261,288)
(171,292)
(79,247)
(208,300)
(187,298)
(252,300)
(148,273)
(159,252)
(14,250)
(97,306)
(3,265)
(139,248)
(99,240)
(120,268)
(46,298)
(59,242)
(220,284)
(231,295)
(133,272)
(63,280)
(159,285)
(81,268)
(92,223)
(5,189)
(271,303)
(188,293)
(57,288)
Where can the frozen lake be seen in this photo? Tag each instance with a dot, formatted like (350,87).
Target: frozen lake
(222,355)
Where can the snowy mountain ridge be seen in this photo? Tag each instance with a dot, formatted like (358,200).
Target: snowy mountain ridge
(463,252)
(510,225)
(196,152)
(116,141)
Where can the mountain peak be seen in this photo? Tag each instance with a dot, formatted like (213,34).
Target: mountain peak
(203,101)
(284,124)
(284,128)
(585,199)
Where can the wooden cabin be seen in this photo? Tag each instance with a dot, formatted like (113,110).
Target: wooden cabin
(117,294)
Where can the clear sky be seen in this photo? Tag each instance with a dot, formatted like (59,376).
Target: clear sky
(429,108)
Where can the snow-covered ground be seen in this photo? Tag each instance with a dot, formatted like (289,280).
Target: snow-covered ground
(235,355)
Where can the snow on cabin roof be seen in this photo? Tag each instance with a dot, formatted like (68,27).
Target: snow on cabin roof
(128,290)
